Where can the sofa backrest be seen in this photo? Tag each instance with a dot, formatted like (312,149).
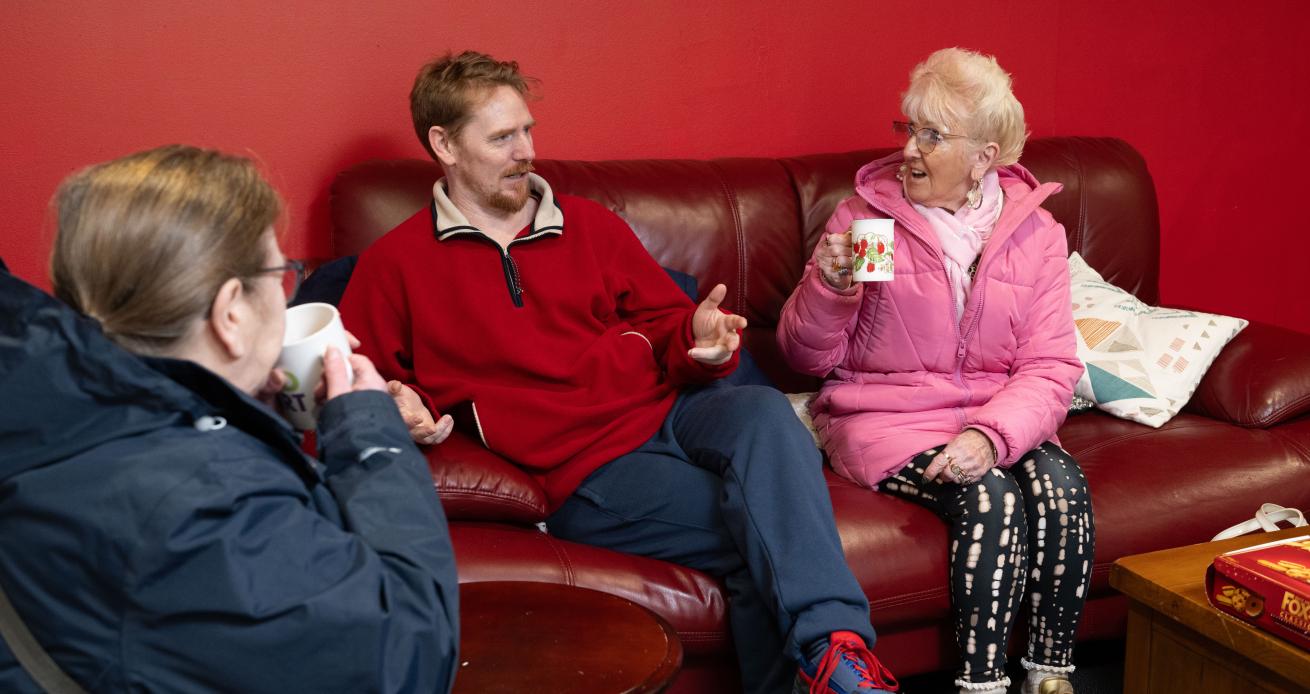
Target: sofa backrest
(751,223)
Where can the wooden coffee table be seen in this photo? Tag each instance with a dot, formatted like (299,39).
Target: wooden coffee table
(1178,643)
(548,638)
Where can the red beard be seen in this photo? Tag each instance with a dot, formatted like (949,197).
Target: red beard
(512,202)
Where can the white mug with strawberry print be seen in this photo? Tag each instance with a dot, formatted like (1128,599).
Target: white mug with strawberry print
(872,240)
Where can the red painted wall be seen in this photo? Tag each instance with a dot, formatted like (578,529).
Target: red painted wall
(1212,92)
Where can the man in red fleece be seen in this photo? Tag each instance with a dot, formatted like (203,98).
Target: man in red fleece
(579,360)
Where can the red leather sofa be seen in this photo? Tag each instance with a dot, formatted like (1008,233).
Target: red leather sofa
(1243,440)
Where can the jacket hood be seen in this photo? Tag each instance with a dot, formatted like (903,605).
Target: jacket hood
(67,388)
(876,183)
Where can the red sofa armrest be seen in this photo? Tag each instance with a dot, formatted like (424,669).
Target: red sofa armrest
(477,485)
(1260,379)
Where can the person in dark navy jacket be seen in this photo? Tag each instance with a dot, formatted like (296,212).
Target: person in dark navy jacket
(160,528)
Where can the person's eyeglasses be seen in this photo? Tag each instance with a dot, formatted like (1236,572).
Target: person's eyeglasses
(926,139)
(293,273)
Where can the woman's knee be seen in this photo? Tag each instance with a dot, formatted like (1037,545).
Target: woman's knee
(995,499)
(1052,473)
(1058,503)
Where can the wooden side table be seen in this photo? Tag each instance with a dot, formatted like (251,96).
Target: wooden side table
(1178,643)
(549,638)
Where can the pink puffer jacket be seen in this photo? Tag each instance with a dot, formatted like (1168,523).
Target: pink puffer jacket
(902,376)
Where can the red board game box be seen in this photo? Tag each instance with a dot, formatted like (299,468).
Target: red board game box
(1267,586)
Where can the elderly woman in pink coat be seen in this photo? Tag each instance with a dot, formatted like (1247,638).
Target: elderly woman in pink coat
(946,385)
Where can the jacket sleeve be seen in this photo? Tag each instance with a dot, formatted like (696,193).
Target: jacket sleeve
(258,582)
(817,321)
(1035,400)
(655,307)
(375,309)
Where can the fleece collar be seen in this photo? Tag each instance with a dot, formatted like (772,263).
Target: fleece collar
(448,221)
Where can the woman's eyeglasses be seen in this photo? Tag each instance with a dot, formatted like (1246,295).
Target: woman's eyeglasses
(926,139)
(293,273)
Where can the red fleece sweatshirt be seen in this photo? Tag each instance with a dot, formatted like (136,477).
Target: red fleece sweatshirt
(584,371)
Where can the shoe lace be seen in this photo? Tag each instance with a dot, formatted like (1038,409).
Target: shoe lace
(845,646)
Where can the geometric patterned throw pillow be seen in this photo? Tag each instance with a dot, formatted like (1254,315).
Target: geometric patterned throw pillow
(1142,362)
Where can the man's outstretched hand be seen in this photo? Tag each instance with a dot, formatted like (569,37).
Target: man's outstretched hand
(714,331)
(422,428)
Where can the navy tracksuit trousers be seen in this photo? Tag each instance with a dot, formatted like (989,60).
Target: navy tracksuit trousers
(732,485)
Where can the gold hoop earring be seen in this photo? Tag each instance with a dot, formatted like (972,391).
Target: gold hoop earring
(974,196)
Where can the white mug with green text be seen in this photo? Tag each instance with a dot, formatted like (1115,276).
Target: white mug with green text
(311,328)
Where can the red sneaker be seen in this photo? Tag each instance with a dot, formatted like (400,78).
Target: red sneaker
(847,667)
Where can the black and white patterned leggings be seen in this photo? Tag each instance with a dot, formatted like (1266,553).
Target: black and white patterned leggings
(1034,517)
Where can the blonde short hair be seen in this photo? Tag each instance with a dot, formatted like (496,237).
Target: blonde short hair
(965,89)
(145,242)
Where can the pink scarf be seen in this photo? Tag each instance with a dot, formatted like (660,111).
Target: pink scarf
(963,235)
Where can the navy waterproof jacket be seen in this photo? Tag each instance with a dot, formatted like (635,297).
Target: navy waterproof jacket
(162,531)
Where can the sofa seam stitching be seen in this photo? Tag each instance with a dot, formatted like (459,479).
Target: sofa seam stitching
(1082,200)
(1303,450)
(1124,437)
(479,492)
(482,495)
(800,212)
(738,236)
(564,562)
(928,595)
(1279,414)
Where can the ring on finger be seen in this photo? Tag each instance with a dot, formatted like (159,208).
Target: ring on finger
(957,471)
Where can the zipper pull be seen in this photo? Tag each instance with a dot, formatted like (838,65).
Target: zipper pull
(959,353)
(514,280)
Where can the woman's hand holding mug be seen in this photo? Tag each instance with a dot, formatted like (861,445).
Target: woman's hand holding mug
(835,258)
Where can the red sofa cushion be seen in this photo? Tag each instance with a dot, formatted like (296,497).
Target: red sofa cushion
(476,484)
